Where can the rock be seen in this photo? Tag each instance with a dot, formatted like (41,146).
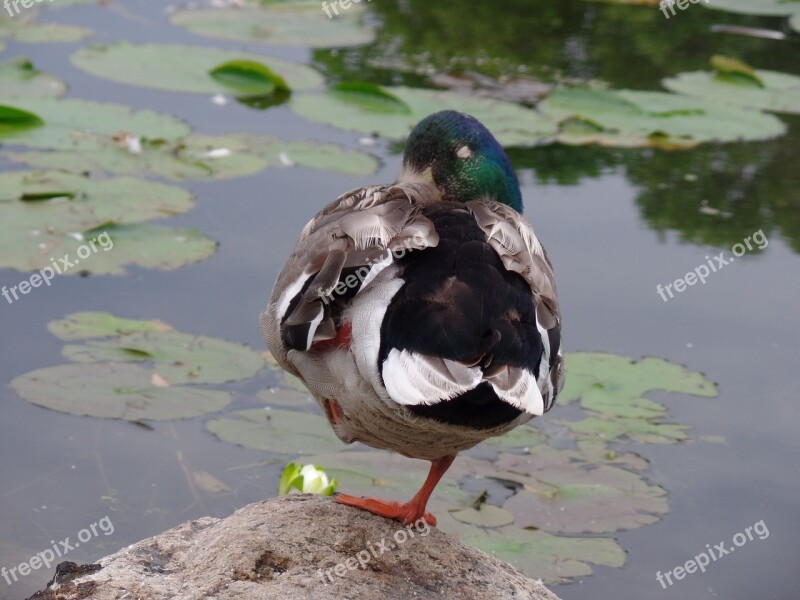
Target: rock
(296,547)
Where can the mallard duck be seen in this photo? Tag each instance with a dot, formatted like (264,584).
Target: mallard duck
(423,315)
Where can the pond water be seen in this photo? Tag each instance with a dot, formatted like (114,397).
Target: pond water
(616,222)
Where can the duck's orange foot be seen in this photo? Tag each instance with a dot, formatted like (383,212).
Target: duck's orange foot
(407,512)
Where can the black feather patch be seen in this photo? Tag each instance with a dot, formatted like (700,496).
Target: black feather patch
(459,302)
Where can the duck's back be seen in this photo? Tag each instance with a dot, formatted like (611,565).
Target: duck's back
(433,324)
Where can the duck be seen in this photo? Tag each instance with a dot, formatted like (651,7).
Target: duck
(423,315)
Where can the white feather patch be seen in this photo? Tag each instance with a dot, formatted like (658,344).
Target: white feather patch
(415,379)
(523,393)
(290,292)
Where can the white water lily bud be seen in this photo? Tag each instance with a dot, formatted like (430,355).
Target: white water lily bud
(314,479)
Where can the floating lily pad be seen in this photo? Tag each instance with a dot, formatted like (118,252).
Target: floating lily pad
(85,325)
(18,77)
(552,558)
(106,251)
(68,122)
(570,498)
(48,215)
(287,24)
(372,109)
(779,92)
(178,357)
(644,431)
(24,28)
(614,385)
(194,69)
(522,436)
(275,430)
(115,391)
(756,7)
(146,390)
(199,157)
(628,118)
(484,516)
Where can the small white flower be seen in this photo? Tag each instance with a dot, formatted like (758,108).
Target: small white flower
(314,479)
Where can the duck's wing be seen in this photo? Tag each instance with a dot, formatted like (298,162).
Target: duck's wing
(486,347)
(339,253)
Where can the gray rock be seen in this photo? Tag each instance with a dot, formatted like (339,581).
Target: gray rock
(289,548)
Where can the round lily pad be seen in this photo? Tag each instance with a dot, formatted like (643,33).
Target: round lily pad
(24,28)
(394,111)
(628,118)
(194,69)
(284,23)
(572,499)
(277,430)
(94,223)
(83,325)
(67,122)
(199,157)
(115,391)
(756,7)
(19,78)
(551,558)
(178,357)
(779,92)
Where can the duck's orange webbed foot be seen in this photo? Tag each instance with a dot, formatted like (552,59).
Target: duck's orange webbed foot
(407,512)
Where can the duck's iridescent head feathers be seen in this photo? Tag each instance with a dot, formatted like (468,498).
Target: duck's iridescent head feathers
(462,158)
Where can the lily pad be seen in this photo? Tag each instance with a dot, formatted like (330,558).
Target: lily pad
(618,428)
(44,215)
(484,516)
(756,7)
(85,325)
(355,108)
(779,92)
(575,499)
(614,385)
(554,559)
(194,69)
(178,357)
(19,78)
(199,157)
(276,430)
(68,122)
(628,118)
(286,24)
(24,28)
(115,391)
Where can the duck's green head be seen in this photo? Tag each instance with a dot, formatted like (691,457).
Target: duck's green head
(462,158)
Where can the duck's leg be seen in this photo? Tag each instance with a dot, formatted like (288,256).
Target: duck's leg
(408,512)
